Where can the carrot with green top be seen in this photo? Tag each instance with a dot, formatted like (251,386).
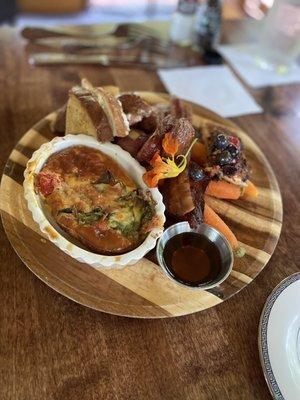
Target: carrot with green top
(250,190)
(199,154)
(223,190)
(211,218)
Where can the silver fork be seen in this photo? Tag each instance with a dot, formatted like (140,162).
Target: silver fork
(88,31)
(140,61)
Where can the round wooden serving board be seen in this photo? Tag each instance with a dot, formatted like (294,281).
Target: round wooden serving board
(142,290)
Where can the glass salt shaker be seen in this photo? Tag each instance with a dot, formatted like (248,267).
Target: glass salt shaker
(182,22)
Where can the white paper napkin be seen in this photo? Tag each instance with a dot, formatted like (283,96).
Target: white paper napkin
(242,59)
(214,87)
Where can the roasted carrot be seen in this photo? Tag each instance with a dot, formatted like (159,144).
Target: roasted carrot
(212,218)
(223,190)
(250,190)
(199,154)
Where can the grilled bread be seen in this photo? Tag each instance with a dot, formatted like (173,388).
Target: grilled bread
(96,112)
(111,107)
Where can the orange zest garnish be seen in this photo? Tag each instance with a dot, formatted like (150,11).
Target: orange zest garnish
(166,167)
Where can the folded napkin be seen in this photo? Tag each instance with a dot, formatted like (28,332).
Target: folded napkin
(214,87)
(242,59)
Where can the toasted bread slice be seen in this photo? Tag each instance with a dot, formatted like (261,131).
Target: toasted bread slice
(111,107)
(114,90)
(85,115)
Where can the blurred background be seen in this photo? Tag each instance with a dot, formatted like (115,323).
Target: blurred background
(255,37)
(51,12)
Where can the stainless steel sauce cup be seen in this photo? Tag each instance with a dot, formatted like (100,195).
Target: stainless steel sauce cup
(212,235)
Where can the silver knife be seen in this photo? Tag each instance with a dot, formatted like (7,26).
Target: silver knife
(69,43)
(108,43)
(104,60)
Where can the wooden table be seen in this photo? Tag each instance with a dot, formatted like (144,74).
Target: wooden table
(52,348)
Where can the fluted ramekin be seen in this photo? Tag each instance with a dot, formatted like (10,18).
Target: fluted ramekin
(63,240)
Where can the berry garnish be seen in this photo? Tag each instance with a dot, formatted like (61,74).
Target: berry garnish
(224,158)
(233,150)
(234,140)
(196,173)
(221,142)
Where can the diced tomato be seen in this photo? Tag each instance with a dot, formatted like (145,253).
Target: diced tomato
(47,182)
(234,140)
(101,226)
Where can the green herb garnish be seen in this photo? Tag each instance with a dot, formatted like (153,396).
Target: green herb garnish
(68,210)
(90,217)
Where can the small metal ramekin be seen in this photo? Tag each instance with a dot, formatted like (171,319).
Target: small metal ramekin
(211,234)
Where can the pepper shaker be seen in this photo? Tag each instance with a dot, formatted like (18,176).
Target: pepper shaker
(207,30)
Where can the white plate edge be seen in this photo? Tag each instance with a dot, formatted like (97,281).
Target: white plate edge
(262,335)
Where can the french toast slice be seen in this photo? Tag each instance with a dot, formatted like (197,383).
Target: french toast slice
(96,112)
(85,115)
(112,108)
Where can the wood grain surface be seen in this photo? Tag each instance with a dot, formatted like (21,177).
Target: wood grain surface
(142,289)
(53,348)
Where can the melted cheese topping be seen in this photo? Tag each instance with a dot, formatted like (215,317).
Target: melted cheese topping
(92,198)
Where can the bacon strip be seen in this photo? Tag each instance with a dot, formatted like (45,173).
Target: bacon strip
(180,109)
(133,142)
(134,107)
(181,129)
(178,196)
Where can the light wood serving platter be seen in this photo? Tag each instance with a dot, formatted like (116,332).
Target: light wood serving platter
(142,290)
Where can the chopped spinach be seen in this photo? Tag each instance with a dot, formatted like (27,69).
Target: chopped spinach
(68,210)
(90,217)
(140,211)
(148,213)
(129,230)
(127,197)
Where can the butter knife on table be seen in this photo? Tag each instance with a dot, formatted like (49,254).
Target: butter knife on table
(69,43)
(142,61)
(73,45)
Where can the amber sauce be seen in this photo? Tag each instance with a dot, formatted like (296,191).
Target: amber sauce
(192,259)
